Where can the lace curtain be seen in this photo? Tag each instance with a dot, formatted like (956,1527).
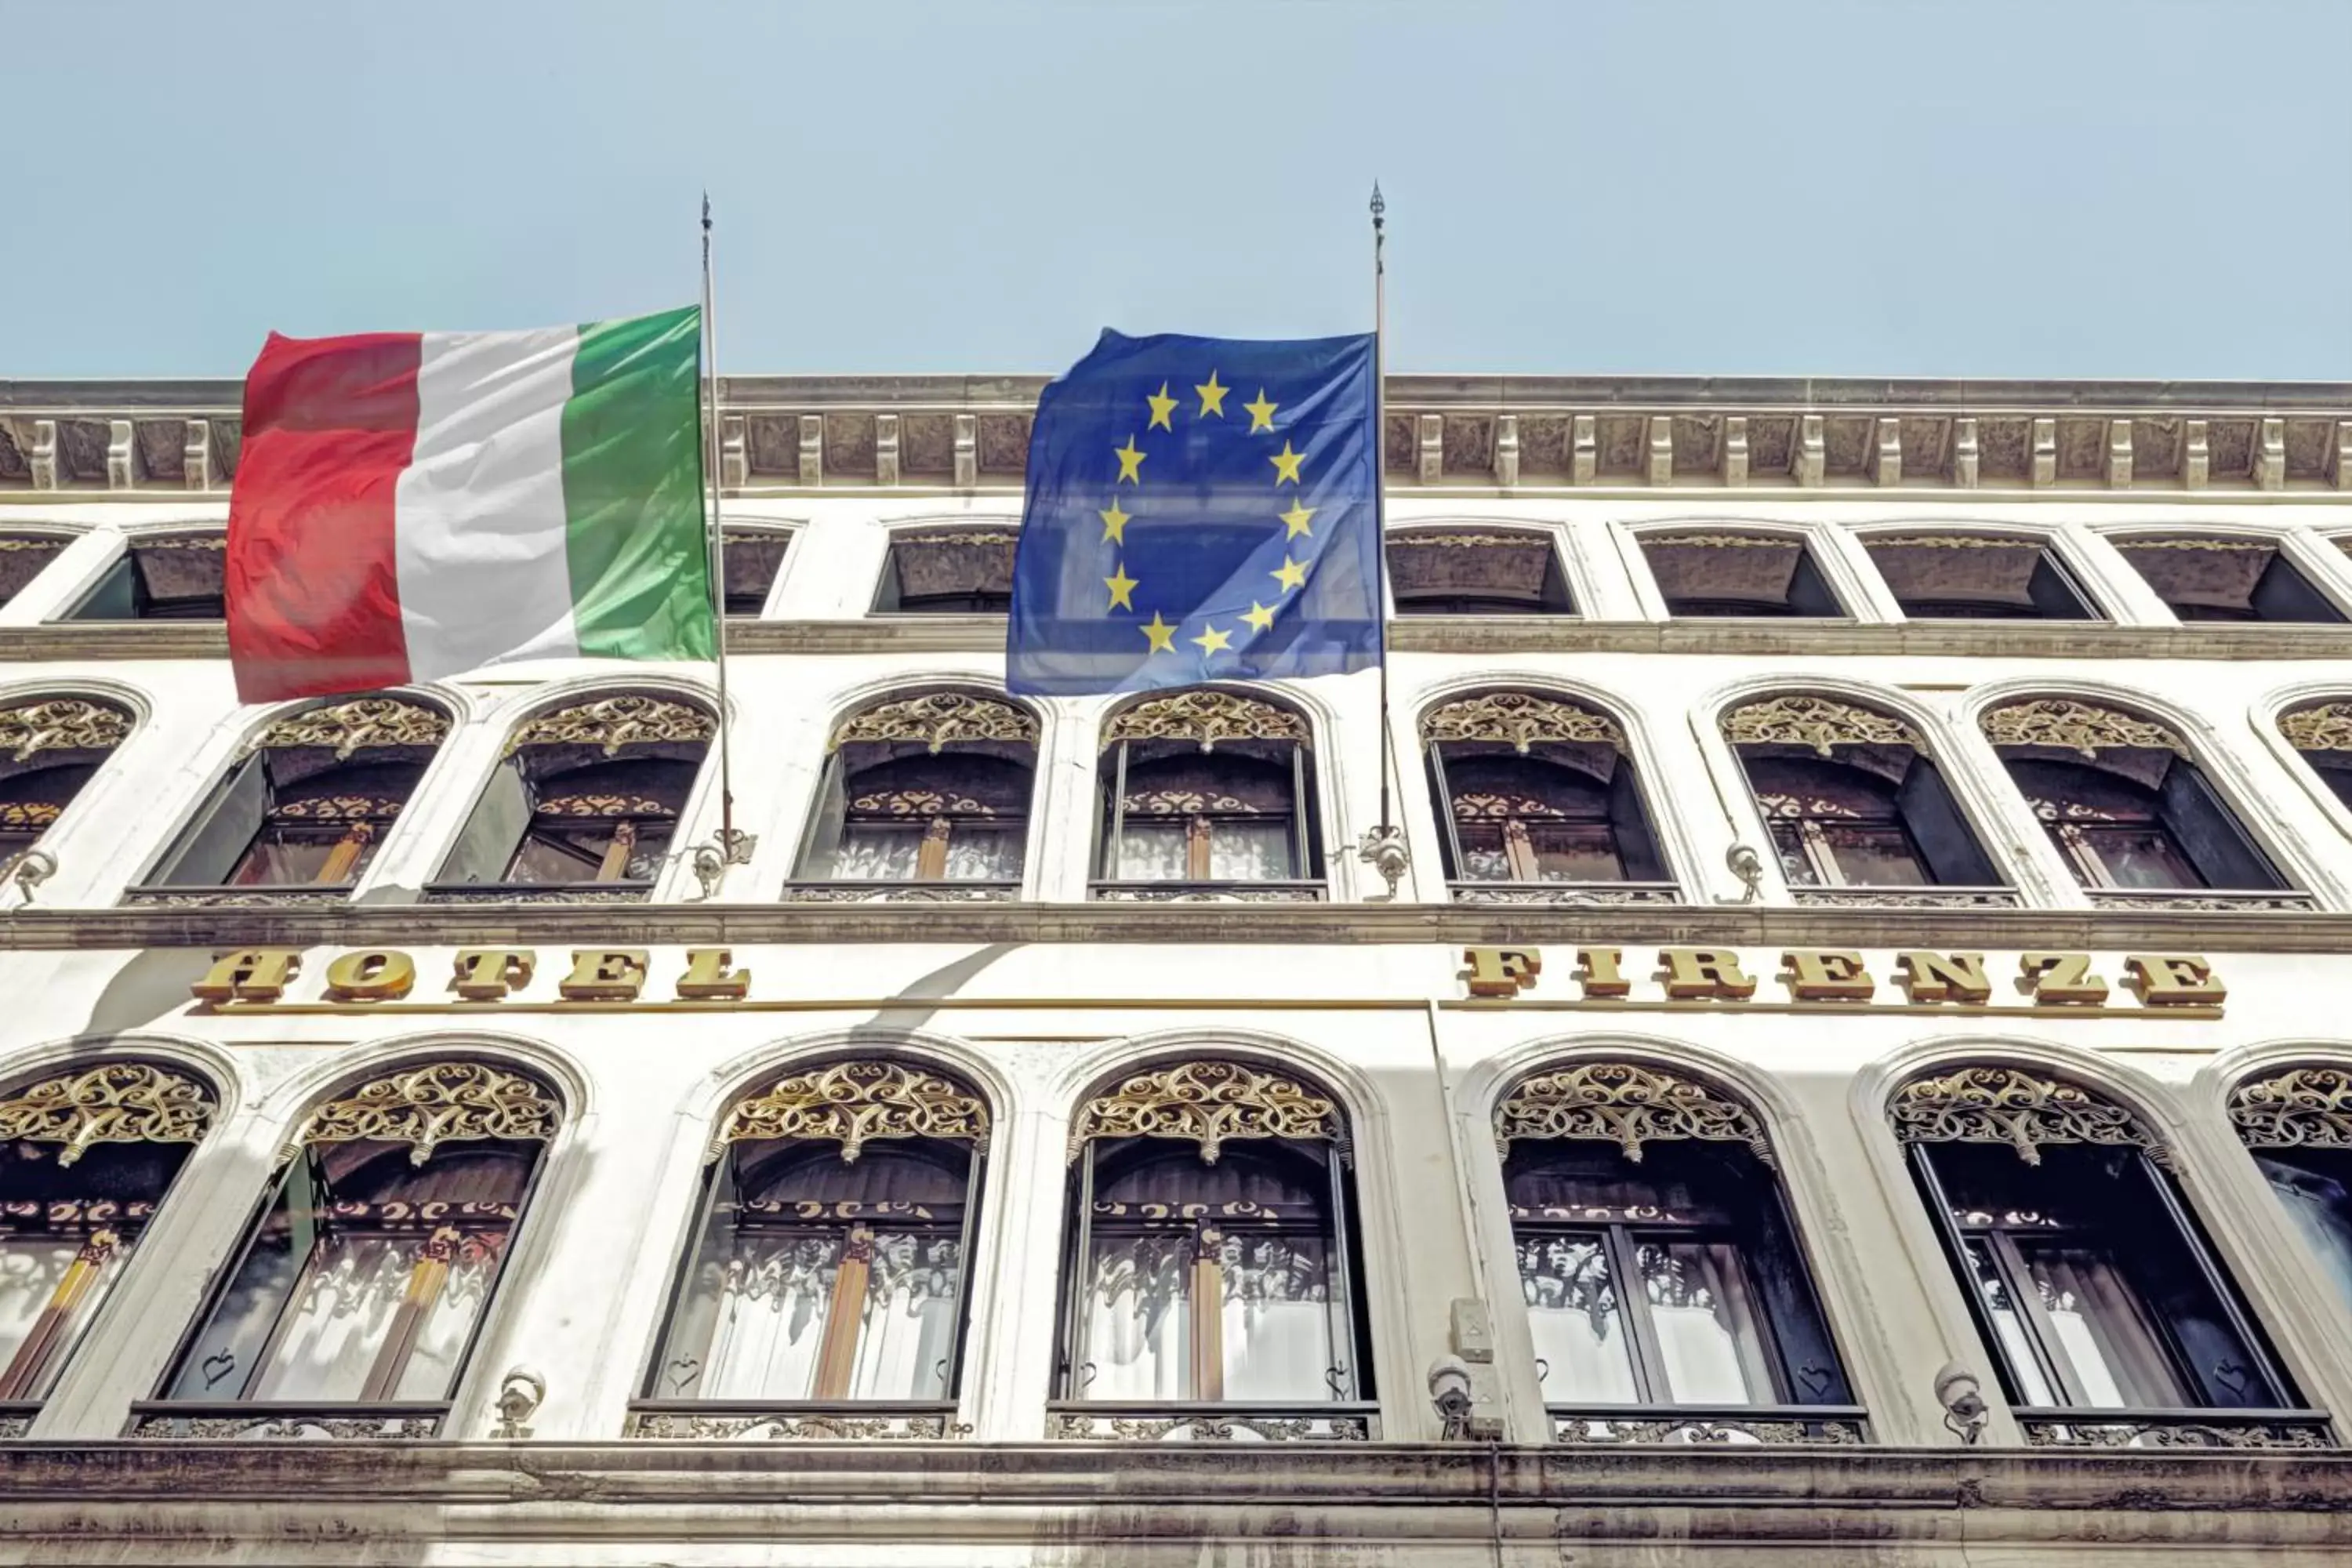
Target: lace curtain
(1238,852)
(887,852)
(759,1314)
(1274,1317)
(32,1267)
(1701,1308)
(2110,1349)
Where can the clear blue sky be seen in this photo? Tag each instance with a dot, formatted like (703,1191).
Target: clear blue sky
(2034,187)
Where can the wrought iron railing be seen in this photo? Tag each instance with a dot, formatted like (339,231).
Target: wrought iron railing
(2210,900)
(942,891)
(1628,1425)
(1934,898)
(849,1421)
(624,890)
(1569,894)
(1270,892)
(269,1421)
(2049,1426)
(213,896)
(1092,1421)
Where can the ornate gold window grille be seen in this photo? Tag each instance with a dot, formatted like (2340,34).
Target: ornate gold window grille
(61,724)
(2307,1107)
(938,719)
(2320,727)
(44,739)
(1521,719)
(1205,717)
(2010,1105)
(1821,723)
(609,723)
(2073,725)
(1627,1104)
(425,1107)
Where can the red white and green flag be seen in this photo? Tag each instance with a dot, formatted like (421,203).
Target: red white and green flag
(414,505)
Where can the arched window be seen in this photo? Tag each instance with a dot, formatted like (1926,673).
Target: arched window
(161,577)
(2128,808)
(2090,1279)
(1477,572)
(91,1152)
(1664,1283)
(1852,801)
(2225,579)
(2298,1125)
(49,748)
(585,804)
(1208,792)
(1723,572)
(923,790)
(306,805)
(1213,1260)
(1945,576)
(355,1300)
(948,571)
(831,1264)
(1540,804)
(2322,732)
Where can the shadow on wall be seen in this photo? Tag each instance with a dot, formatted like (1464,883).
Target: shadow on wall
(948,980)
(149,988)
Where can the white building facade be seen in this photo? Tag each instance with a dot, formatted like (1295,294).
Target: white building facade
(1850,1063)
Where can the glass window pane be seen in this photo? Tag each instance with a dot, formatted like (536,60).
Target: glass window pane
(1789,845)
(1874,857)
(989,852)
(280,857)
(1150,852)
(771,1294)
(2141,858)
(1583,853)
(2007,1326)
(907,1337)
(2318,1199)
(1709,1334)
(1137,1318)
(2102,1331)
(341,1315)
(1579,1330)
(1483,858)
(881,852)
(1277,1318)
(70,1273)
(1249,852)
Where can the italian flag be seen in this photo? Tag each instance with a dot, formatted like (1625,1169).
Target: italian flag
(414,505)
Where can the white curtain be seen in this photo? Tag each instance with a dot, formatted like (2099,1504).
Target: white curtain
(1137,1306)
(984,854)
(1249,852)
(877,853)
(1707,1324)
(771,1302)
(2104,1334)
(908,1330)
(344,1311)
(31,1268)
(1276,1322)
(1150,852)
(1573,1310)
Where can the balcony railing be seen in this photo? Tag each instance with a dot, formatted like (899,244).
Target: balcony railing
(212,896)
(1571,895)
(874,892)
(1089,1421)
(708,1420)
(1938,898)
(624,890)
(263,1421)
(2046,1427)
(1294,892)
(1629,1425)
(2218,901)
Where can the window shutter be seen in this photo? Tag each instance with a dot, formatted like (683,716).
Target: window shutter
(1934,818)
(487,847)
(222,831)
(1636,846)
(2209,831)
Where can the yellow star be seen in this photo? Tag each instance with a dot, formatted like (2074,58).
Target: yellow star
(1114,524)
(1259,616)
(1290,574)
(1212,396)
(1162,405)
(1120,585)
(1163,634)
(1285,464)
(1211,640)
(1131,463)
(1261,413)
(1296,517)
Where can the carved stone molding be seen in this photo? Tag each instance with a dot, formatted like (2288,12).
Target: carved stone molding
(2224,901)
(113,1102)
(847,1426)
(153,1424)
(2078,726)
(2050,1431)
(938,719)
(440,1102)
(612,723)
(2322,727)
(1521,719)
(1612,1431)
(1078,1426)
(1821,722)
(2008,1105)
(899,893)
(61,724)
(1627,1104)
(1906,898)
(2301,1107)
(347,727)
(1206,716)
(1209,1104)
(853,1102)
(1565,895)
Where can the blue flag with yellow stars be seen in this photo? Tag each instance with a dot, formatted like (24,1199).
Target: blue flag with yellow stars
(1199,509)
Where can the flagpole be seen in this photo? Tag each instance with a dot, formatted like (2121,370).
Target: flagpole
(732,850)
(1384,847)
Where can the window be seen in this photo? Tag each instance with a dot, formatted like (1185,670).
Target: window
(1851,798)
(923,789)
(2323,734)
(587,801)
(1477,572)
(1539,794)
(2089,1278)
(2204,579)
(1722,572)
(1976,576)
(21,558)
(838,1207)
(2298,1123)
(949,571)
(161,577)
(1659,1263)
(49,749)
(751,558)
(307,804)
(1213,1257)
(2128,809)
(1207,790)
(91,1153)
(365,1279)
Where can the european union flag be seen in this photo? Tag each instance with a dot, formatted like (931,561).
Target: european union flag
(1199,509)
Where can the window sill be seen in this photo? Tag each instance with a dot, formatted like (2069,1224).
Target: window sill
(272,1422)
(876,892)
(1933,898)
(1572,895)
(617,892)
(856,1421)
(2048,1427)
(1207,892)
(1619,1425)
(2220,900)
(1089,1421)
(170,896)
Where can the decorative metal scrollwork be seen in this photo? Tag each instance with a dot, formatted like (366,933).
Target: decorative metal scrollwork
(113,1102)
(61,724)
(1821,722)
(2077,726)
(348,726)
(854,1102)
(1521,719)
(612,723)
(938,719)
(2323,727)
(1209,1103)
(1433,539)
(2302,1108)
(1627,1104)
(441,1102)
(1207,716)
(2005,1105)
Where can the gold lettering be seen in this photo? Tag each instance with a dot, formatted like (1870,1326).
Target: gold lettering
(2175,979)
(1501,971)
(1704,972)
(707,977)
(375,974)
(604,974)
(1945,976)
(2062,979)
(248,975)
(1599,972)
(492,973)
(1818,975)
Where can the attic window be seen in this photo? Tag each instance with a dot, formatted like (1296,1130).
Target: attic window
(2210,579)
(752,557)
(1977,577)
(1477,572)
(171,577)
(953,570)
(1724,572)
(22,556)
